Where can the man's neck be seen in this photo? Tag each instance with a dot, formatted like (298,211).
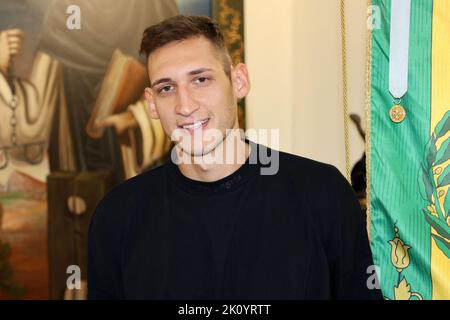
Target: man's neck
(227,158)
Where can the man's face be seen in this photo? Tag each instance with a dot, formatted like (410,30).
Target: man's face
(192,95)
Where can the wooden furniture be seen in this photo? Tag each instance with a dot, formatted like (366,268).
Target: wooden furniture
(72,199)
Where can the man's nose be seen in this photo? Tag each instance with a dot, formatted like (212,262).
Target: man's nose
(186,104)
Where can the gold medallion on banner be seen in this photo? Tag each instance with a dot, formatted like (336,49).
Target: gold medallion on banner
(397,113)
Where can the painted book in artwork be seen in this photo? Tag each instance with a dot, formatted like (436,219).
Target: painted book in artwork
(123,84)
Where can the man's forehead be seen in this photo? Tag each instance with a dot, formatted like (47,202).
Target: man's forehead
(183,57)
(196,45)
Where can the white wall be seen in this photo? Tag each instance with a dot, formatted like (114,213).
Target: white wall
(293,51)
(269,56)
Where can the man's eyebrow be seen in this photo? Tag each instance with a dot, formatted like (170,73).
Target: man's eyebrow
(199,71)
(163,80)
(191,73)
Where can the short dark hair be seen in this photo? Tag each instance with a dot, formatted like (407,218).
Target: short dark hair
(183,27)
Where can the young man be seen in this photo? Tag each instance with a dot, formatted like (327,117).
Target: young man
(219,221)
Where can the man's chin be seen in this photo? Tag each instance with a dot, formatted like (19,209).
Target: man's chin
(199,151)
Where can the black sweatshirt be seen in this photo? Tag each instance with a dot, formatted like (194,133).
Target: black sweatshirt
(298,234)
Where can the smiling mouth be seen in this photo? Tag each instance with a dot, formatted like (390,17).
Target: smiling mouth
(195,125)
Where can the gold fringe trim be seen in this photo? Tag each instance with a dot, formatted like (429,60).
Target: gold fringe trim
(368,122)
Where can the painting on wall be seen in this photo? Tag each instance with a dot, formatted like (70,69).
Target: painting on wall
(73,123)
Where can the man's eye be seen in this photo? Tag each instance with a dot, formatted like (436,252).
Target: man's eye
(201,80)
(165,89)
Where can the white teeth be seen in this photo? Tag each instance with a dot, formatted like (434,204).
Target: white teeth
(195,125)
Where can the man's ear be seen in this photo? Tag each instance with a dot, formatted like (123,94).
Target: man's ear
(148,93)
(241,80)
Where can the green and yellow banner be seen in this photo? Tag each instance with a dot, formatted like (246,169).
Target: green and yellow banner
(409,155)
